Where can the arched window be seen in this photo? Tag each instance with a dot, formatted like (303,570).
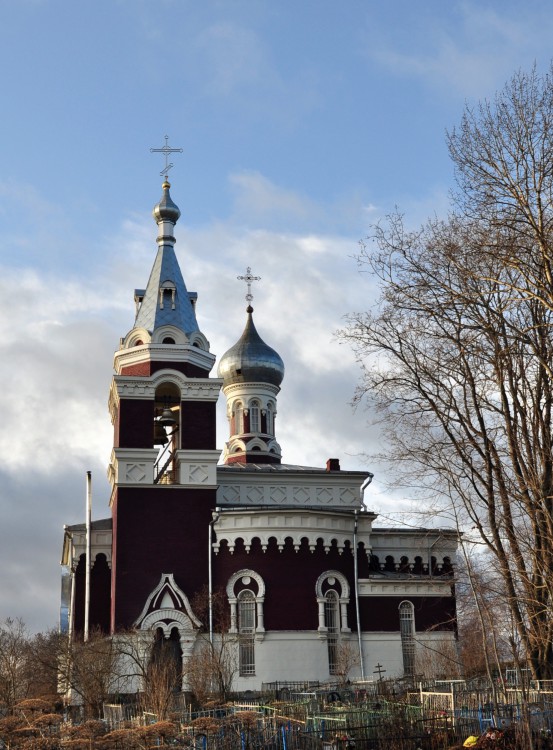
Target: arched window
(166,432)
(332,591)
(270,418)
(332,625)
(246,632)
(167,295)
(238,418)
(246,615)
(255,425)
(407,632)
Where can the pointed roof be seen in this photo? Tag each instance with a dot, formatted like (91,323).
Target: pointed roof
(177,308)
(166,301)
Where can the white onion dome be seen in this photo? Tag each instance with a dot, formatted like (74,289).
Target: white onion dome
(251,360)
(166,209)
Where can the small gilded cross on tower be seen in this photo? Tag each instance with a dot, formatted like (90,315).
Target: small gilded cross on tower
(248,278)
(166,150)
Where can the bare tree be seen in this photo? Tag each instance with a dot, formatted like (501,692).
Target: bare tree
(347,658)
(437,660)
(458,357)
(87,672)
(502,156)
(162,678)
(211,669)
(15,663)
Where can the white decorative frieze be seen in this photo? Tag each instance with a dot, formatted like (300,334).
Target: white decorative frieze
(201,390)
(191,389)
(287,494)
(136,472)
(197,468)
(135,388)
(132,465)
(405,587)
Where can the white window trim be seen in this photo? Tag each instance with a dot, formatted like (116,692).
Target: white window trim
(343,597)
(259,601)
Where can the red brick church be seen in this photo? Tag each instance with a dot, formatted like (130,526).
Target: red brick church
(293,549)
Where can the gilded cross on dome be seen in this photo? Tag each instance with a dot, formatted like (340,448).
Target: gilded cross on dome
(166,150)
(248,278)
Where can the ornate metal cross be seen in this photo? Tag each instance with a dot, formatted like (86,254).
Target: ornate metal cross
(166,150)
(248,278)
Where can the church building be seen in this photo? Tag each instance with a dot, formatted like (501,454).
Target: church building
(307,579)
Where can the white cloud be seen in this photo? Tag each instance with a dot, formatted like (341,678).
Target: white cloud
(468,49)
(258,200)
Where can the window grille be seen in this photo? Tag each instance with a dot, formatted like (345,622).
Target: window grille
(332,624)
(407,632)
(246,632)
(254,417)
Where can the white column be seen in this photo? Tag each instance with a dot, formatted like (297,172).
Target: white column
(233,628)
(260,623)
(344,613)
(321,604)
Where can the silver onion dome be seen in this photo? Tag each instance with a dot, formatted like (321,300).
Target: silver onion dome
(166,209)
(251,360)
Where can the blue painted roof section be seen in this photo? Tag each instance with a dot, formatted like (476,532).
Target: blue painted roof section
(151,315)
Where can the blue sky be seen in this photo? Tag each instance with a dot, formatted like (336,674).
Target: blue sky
(301,121)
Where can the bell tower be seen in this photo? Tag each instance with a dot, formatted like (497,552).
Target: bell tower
(163,463)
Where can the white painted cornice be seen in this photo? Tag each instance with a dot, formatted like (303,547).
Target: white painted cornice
(157,352)
(251,390)
(281,524)
(425,543)
(74,545)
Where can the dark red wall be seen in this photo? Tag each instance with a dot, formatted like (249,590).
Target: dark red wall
(136,423)
(431,612)
(157,530)
(198,425)
(290,599)
(290,578)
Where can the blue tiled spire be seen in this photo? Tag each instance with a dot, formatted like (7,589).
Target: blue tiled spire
(166,301)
